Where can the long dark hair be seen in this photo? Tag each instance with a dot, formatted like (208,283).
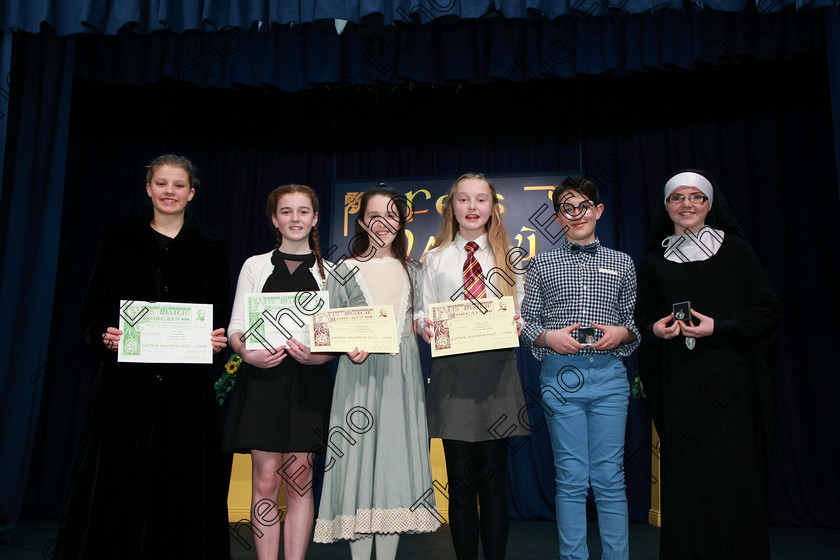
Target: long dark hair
(402,207)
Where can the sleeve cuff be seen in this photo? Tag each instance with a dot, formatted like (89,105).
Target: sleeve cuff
(726,327)
(530,332)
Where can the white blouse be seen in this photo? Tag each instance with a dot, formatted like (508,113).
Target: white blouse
(443,274)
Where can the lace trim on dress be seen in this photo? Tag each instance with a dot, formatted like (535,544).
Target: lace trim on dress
(376,521)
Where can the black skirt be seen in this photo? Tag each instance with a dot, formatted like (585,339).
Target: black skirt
(282,409)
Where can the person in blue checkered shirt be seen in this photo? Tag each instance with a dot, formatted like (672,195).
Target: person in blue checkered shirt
(578,313)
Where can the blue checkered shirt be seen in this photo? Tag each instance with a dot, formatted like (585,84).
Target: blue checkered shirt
(563,288)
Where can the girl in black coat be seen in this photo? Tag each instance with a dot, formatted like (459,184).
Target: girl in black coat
(148,479)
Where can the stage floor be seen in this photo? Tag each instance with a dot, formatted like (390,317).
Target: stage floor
(32,540)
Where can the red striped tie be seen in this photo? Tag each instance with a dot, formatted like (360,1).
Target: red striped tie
(473,278)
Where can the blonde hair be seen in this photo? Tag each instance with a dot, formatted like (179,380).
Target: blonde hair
(497,236)
(271,208)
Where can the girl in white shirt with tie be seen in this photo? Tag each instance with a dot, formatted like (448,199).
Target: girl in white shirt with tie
(470,393)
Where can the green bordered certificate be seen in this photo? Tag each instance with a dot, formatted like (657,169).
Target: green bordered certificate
(275,317)
(473,326)
(158,332)
(370,328)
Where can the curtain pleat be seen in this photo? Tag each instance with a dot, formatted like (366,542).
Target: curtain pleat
(32,211)
(470,51)
(109,16)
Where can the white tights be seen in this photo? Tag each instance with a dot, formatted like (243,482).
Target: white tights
(386,547)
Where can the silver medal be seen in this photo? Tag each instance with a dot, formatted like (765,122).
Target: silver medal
(689,342)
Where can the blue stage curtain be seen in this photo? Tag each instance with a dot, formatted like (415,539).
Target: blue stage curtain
(5,93)
(832,33)
(468,51)
(32,210)
(109,16)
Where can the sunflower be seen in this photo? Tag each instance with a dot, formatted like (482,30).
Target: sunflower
(225,383)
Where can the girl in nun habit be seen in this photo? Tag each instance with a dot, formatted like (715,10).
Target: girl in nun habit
(707,377)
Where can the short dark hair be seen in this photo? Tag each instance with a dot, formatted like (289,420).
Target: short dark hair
(582,185)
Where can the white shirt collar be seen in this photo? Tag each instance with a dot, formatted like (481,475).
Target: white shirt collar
(693,247)
(460,242)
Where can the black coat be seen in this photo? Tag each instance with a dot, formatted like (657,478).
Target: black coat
(147,482)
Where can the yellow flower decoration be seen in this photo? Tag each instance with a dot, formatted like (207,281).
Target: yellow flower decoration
(226,382)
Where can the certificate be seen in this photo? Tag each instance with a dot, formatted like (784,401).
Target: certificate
(156,332)
(473,326)
(370,328)
(275,317)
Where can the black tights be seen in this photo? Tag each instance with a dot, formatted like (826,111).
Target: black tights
(477,468)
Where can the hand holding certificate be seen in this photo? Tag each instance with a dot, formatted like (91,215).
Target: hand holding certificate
(371,328)
(275,317)
(165,333)
(473,326)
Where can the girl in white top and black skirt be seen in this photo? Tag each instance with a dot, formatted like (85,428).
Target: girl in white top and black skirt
(280,404)
(469,393)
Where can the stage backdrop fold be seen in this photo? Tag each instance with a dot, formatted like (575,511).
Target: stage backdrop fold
(33,195)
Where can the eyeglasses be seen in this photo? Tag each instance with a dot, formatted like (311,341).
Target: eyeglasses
(571,211)
(694,198)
